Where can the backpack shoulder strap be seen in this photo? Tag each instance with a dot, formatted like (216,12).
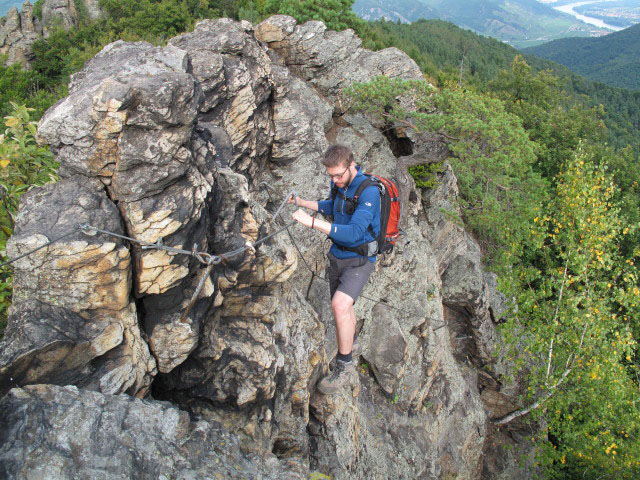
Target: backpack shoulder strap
(370,181)
(367,182)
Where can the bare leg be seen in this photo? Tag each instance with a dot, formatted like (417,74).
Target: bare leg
(342,307)
(344,373)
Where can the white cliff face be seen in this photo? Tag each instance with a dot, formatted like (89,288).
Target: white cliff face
(176,144)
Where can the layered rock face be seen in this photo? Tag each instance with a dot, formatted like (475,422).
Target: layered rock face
(194,146)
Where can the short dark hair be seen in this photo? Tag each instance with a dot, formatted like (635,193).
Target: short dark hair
(337,155)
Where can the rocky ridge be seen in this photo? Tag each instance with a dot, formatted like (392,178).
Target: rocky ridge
(20,29)
(194,145)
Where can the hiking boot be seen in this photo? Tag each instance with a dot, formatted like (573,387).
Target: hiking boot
(343,374)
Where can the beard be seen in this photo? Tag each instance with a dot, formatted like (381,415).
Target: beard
(345,183)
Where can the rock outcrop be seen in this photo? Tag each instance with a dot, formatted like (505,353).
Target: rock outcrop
(19,30)
(17,35)
(194,146)
(91,435)
(73,319)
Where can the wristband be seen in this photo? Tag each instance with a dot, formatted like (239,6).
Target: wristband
(313,220)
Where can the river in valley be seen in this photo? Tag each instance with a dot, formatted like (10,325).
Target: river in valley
(590,20)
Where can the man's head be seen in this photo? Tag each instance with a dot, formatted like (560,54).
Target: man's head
(340,166)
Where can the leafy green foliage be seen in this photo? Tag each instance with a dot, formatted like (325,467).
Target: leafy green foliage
(37,9)
(23,164)
(572,336)
(426,176)
(150,19)
(492,155)
(65,52)
(23,87)
(557,128)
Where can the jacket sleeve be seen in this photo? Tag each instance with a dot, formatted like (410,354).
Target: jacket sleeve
(325,207)
(367,211)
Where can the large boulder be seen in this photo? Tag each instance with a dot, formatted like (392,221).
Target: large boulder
(66,433)
(72,319)
(234,72)
(330,60)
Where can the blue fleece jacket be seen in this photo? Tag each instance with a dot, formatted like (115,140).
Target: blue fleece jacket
(353,230)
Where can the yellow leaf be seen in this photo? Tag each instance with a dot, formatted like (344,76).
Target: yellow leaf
(4,162)
(11,121)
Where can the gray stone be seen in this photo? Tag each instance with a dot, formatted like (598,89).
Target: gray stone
(331,60)
(387,348)
(498,302)
(17,36)
(300,118)
(83,282)
(58,13)
(66,433)
(234,72)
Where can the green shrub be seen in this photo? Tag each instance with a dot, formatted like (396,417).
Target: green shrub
(23,164)
(426,175)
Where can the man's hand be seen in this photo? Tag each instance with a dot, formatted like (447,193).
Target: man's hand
(294,199)
(302,217)
(299,202)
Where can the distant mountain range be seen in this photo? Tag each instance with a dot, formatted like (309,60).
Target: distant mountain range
(613,59)
(521,23)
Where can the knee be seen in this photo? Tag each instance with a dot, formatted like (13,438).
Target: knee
(341,307)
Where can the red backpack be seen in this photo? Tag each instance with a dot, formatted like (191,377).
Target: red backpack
(389,214)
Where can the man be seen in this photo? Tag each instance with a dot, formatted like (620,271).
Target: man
(349,267)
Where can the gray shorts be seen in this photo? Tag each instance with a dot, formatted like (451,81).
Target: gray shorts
(348,275)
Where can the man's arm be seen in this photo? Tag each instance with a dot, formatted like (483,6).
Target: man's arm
(312,222)
(325,207)
(368,205)
(310,204)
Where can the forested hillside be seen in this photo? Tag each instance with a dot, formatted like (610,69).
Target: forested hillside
(448,53)
(521,23)
(549,182)
(613,59)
